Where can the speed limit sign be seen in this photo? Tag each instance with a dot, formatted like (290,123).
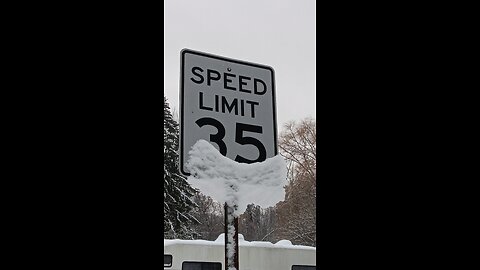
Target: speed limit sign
(229,103)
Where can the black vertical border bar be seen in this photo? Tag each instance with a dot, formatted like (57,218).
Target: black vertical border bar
(183,52)
(274,104)
(180,146)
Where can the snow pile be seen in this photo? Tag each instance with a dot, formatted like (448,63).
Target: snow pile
(284,243)
(236,183)
(221,238)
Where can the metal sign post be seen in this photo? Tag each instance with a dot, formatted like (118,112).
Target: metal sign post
(229,224)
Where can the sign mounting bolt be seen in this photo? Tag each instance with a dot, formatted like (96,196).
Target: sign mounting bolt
(229,69)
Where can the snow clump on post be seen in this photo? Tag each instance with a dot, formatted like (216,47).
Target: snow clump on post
(237,184)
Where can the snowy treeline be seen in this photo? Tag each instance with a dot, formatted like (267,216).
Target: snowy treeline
(191,215)
(177,197)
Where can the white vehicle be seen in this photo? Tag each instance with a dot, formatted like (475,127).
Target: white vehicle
(256,255)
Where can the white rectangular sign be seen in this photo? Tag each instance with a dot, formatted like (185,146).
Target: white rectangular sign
(229,103)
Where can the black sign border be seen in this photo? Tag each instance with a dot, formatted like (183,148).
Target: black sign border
(182,65)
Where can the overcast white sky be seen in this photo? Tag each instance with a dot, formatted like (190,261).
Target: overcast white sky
(277,33)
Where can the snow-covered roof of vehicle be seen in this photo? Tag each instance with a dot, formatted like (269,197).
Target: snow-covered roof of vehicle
(241,242)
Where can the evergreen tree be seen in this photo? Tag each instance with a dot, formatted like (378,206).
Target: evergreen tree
(177,194)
